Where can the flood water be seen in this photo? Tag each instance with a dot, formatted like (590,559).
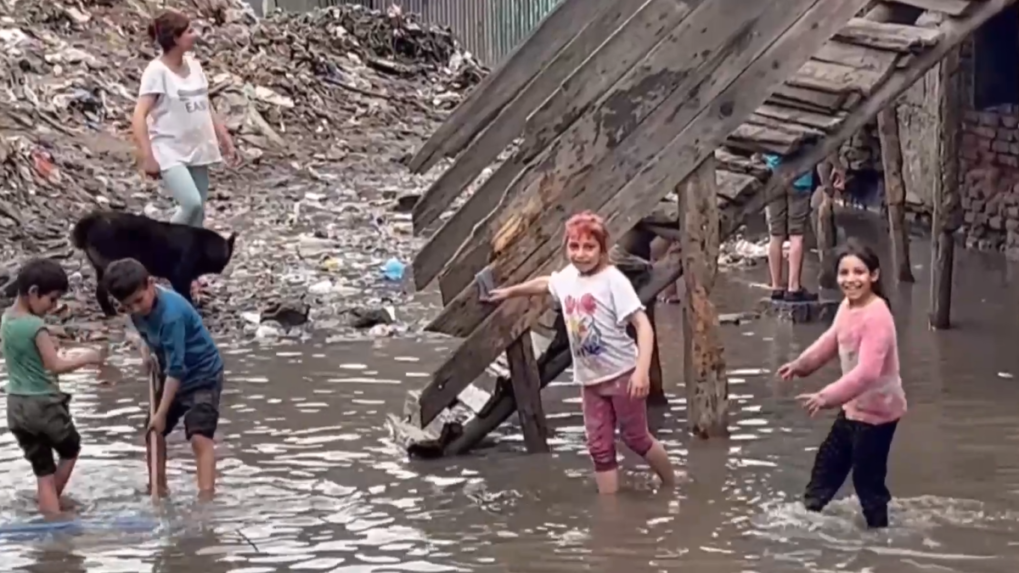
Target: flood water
(310,481)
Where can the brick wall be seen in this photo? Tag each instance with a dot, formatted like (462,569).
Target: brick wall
(989,173)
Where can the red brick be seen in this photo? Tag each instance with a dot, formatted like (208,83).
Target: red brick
(971,117)
(984,131)
(1006,134)
(989,118)
(1008,160)
(968,152)
(1010,121)
(1000,146)
(968,139)
(984,143)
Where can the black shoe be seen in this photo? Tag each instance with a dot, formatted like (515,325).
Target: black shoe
(802,295)
(778,294)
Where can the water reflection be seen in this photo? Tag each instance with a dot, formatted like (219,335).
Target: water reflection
(311,481)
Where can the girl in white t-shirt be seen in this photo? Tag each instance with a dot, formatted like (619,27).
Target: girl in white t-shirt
(175,128)
(598,302)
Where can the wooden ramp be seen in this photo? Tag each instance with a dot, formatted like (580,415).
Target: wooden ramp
(613,104)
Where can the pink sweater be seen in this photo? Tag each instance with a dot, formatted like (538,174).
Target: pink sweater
(870,389)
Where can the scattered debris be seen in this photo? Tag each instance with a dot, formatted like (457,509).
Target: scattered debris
(322,106)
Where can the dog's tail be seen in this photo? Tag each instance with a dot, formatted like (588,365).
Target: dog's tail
(79,235)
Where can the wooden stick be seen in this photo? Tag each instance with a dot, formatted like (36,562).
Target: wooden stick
(152,440)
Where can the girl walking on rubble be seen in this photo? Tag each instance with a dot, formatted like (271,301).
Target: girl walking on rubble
(598,302)
(869,392)
(175,127)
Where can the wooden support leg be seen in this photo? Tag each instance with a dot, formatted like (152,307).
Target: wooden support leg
(704,365)
(827,237)
(895,192)
(527,392)
(946,198)
(656,396)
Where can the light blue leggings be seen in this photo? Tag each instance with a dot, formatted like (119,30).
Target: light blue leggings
(189,186)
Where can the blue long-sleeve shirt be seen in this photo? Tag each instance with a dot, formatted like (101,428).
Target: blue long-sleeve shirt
(803,183)
(176,336)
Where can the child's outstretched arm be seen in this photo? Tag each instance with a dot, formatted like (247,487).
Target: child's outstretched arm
(821,351)
(534,287)
(876,342)
(55,362)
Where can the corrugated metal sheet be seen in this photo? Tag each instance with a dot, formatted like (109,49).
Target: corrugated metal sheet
(489,29)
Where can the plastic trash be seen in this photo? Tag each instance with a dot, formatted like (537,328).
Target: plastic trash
(393,270)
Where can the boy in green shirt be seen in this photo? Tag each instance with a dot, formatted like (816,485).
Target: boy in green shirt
(37,411)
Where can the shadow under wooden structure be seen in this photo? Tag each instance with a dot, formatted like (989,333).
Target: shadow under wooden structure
(610,105)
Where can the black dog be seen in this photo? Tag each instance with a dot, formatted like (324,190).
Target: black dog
(178,253)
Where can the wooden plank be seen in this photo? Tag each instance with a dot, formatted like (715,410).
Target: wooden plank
(793,96)
(838,78)
(950,7)
(656,17)
(758,62)
(707,388)
(527,393)
(729,161)
(587,85)
(818,121)
(761,138)
(885,36)
(895,192)
(857,56)
(713,39)
(441,247)
(554,32)
(953,31)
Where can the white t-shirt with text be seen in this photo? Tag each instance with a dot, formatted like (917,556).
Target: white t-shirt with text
(597,309)
(180,124)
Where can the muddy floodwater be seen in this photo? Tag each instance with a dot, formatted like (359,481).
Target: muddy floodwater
(311,482)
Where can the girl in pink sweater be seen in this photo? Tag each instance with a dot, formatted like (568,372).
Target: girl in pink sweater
(869,392)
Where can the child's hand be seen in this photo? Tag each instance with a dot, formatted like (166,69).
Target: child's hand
(640,384)
(813,403)
(498,295)
(158,423)
(790,370)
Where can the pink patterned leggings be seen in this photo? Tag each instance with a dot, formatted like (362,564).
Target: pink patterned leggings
(606,404)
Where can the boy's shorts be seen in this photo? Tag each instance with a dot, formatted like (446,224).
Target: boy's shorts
(42,425)
(199,407)
(789,215)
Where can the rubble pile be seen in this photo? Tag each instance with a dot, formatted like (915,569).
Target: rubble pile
(322,106)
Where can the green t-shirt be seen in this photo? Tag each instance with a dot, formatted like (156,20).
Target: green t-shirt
(26,374)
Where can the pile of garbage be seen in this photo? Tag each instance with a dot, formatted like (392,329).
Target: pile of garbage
(322,105)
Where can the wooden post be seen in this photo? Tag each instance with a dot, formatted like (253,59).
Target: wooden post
(707,388)
(656,395)
(895,192)
(946,196)
(825,232)
(527,392)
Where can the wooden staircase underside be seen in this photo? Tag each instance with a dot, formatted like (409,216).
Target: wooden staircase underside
(615,102)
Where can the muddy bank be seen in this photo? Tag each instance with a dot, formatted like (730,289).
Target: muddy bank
(323,108)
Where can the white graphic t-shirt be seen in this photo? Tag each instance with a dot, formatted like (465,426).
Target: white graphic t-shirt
(180,124)
(597,309)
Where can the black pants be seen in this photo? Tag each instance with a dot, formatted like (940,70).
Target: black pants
(860,447)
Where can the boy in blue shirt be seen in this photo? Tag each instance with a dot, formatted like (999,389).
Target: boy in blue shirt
(788,217)
(188,359)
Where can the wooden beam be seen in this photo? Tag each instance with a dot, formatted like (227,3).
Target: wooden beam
(652,20)
(954,31)
(707,388)
(947,204)
(754,59)
(607,148)
(554,32)
(895,192)
(527,393)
